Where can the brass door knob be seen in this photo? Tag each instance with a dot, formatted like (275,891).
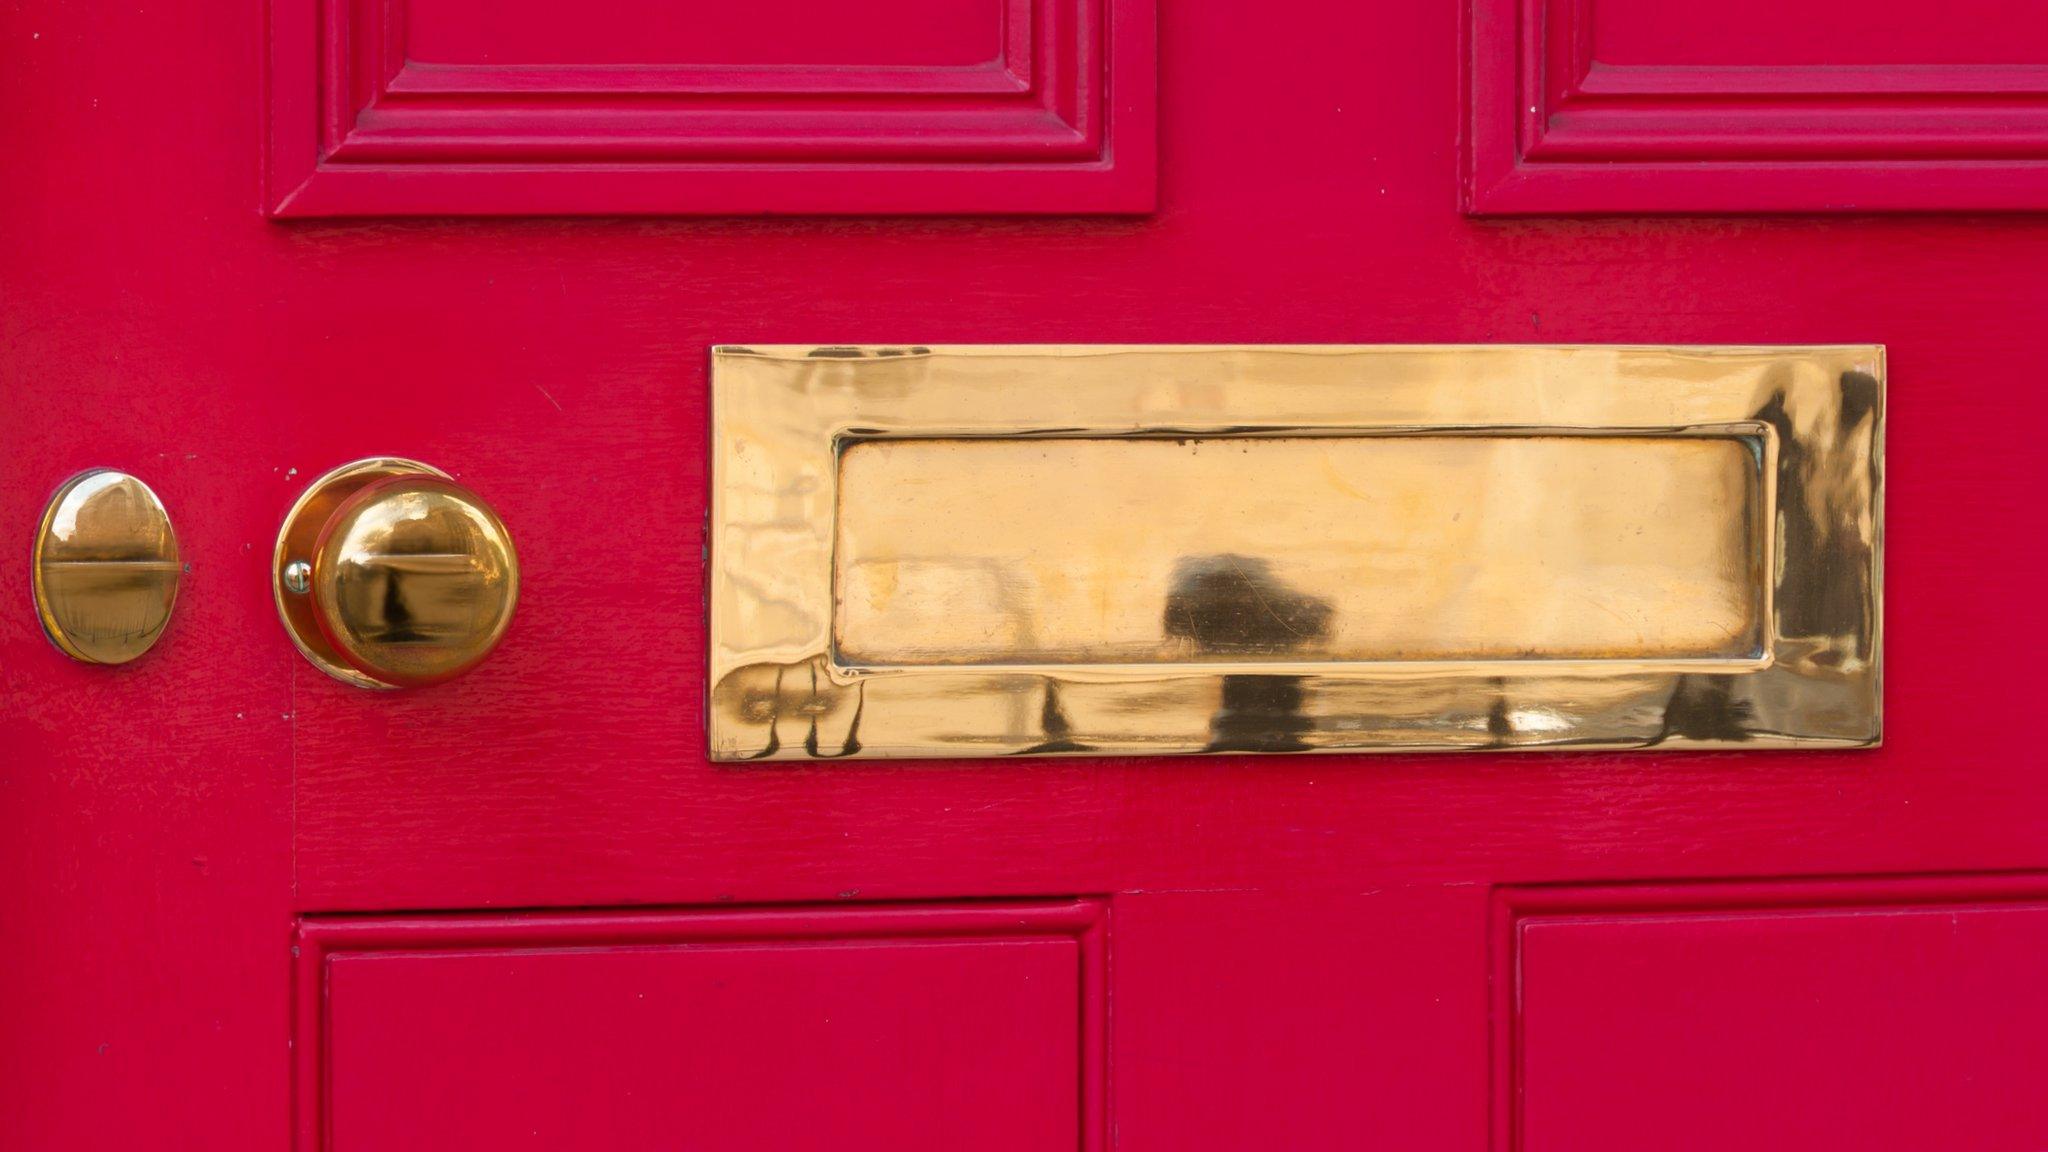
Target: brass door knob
(389,574)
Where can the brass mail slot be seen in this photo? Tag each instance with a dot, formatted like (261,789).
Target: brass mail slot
(978,551)
(1280,550)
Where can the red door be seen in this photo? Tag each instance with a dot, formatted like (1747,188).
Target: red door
(245,905)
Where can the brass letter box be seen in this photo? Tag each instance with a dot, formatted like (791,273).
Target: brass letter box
(980,551)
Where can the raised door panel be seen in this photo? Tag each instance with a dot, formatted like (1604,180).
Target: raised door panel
(932,1027)
(460,107)
(1595,106)
(1853,1014)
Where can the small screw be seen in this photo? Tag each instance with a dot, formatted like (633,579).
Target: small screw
(298,576)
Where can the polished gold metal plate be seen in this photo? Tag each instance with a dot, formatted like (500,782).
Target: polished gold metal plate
(975,551)
(106,568)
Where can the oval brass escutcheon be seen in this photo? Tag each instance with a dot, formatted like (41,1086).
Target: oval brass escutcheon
(106,568)
(389,574)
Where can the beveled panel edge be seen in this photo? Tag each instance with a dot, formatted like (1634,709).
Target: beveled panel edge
(780,413)
(1076,133)
(319,938)
(1513,907)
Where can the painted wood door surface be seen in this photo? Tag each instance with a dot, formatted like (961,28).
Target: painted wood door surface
(244,906)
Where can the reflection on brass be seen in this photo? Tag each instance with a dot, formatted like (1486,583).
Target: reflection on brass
(389,574)
(976,551)
(1262,550)
(106,568)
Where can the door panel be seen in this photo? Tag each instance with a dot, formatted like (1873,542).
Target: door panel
(892,1027)
(1582,106)
(1856,1014)
(446,106)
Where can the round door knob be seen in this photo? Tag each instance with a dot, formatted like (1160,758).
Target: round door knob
(389,574)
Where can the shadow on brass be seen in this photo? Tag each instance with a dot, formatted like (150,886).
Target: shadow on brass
(979,551)
(106,568)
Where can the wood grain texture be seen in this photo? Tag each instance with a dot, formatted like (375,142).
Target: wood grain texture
(1601,106)
(145,835)
(1337,1019)
(699,113)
